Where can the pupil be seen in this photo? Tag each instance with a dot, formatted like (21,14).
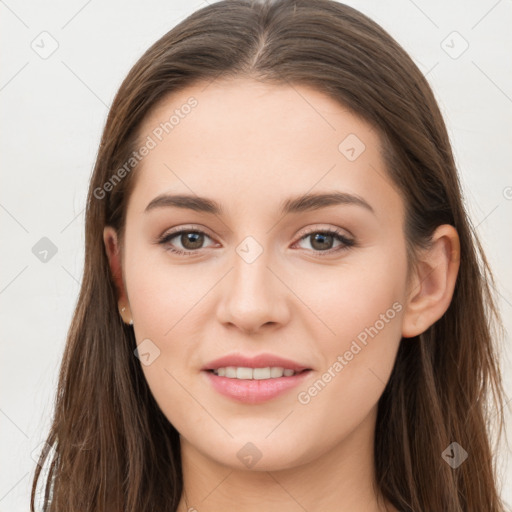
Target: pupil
(195,239)
(323,239)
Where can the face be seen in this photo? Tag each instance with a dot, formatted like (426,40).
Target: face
(266,271)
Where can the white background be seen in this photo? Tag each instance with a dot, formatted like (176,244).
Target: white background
(53,111)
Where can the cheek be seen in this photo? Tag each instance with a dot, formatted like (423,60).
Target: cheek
(358,362)
(362,293)
(362,308)
(161,293)
(165,300)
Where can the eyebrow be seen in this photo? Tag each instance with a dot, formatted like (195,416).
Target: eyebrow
(307,202)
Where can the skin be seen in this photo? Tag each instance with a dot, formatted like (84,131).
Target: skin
(250,146)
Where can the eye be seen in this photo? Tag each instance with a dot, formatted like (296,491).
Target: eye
(191,240)
(322,241)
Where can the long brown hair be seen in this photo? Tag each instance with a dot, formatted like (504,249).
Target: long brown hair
(113,449)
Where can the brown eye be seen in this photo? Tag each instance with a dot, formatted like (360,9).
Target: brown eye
(321,241)
(191,240)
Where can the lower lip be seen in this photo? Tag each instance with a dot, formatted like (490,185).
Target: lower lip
(254,391)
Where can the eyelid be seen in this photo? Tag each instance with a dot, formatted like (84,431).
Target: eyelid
(186,227)
(322,228)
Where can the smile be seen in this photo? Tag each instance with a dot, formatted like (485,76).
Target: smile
(244,373)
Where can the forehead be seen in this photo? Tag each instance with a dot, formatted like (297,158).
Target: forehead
(249,143)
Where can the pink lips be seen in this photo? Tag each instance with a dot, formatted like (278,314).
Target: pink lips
(253,391)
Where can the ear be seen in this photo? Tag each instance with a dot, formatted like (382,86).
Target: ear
(433,282)
(113,251)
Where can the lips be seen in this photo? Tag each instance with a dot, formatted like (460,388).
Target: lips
(259,361)
(254,391)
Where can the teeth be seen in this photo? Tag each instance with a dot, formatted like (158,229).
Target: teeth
(244,373)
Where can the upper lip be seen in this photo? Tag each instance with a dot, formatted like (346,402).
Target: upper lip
(258,361)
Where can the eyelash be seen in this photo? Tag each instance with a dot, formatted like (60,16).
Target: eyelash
(347,243)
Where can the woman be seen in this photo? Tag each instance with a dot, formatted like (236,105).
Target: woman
(284,304)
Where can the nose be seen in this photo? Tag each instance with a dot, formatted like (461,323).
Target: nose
(253,296)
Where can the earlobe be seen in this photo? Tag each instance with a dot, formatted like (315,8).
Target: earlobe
(434,282)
